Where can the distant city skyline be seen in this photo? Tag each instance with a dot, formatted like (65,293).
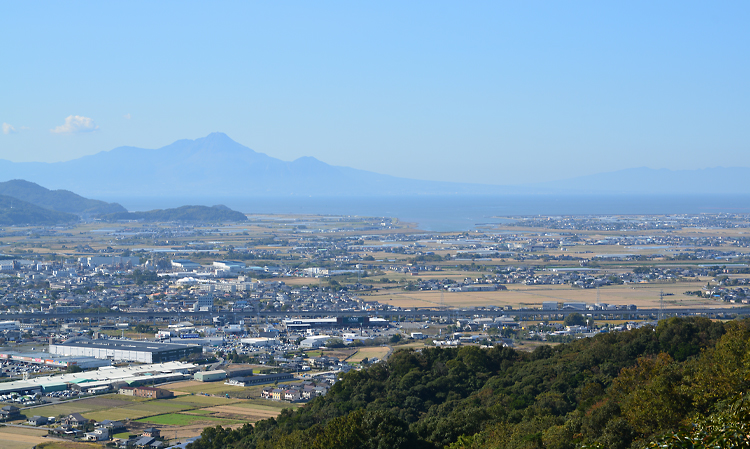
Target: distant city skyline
(489,92)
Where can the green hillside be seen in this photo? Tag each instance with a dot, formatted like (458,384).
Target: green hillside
(196,214)
(14,212)
(643,388)
(59,200)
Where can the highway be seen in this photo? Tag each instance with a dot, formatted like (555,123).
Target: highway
(391,315)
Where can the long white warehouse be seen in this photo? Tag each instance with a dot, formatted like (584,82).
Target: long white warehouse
(125,350)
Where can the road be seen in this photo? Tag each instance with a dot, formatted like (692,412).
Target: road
(393,315)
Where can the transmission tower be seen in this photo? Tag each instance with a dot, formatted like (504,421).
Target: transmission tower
(661,305)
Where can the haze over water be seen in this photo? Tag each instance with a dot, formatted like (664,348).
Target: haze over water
(463,213)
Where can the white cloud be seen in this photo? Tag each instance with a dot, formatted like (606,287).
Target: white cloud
(127,116)
(9,129)
(76,124)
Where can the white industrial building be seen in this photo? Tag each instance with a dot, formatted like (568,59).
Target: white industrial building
(229,265)
(98,261)
(125,350)
(10,325)
(315,341)
(185,264)
(260,341)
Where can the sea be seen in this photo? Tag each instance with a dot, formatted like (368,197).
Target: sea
(442,213)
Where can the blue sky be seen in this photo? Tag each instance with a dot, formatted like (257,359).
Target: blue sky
(491,92)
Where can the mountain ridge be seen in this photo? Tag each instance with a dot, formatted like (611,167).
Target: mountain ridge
(57,200)
(15,212)
(217,166)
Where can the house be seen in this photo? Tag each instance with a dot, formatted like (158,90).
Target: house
(266,393)
(98,434)
(37,420)
(152,393)
(113,426)
(10,412)
(127,391)
(184,444)
(75,420)
(151,432)
(144,441)
(292,395)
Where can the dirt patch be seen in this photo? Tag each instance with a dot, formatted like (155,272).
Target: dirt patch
(193,430)
(184,384)
(251,414)
(18,438)
(23,431)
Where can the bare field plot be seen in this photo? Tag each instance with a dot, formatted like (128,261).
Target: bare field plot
(245,412)
(340,354)
(198,401)
(642,295)
(67,445)
(257,402)
(369,352)
(20,438)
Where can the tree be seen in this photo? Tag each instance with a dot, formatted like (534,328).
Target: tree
(575,319)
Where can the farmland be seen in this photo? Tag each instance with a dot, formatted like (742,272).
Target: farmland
(182,416)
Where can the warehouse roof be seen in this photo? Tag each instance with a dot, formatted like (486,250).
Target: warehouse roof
(124,345)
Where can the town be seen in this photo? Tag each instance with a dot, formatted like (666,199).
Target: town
(140,334)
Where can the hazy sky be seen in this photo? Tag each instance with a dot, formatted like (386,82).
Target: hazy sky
(495,92)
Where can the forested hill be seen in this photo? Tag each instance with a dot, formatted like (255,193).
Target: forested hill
(617,390)
(197,214)
(14,212)
(59,200)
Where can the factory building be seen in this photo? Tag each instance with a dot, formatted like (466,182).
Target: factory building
(43,358)
(185,264)
(98,261)
(210,376)
(10,325)
(299,324)
(125,350)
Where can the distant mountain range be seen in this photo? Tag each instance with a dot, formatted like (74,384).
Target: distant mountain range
(58,200)
(15,212)
(215,166)
(27,203)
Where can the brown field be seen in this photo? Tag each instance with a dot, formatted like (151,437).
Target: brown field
(60,444)
(339,353)
(375,351)
(642,295)
(250,414)
(20,438)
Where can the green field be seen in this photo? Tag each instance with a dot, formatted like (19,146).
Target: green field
(180,419)
(196,408)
